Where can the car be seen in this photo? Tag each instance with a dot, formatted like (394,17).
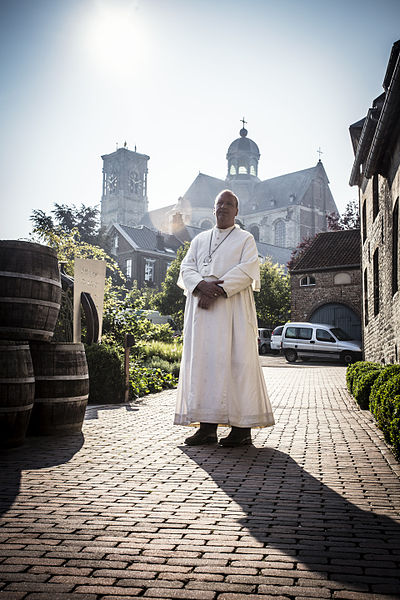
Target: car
(276,337)
(264,340)
(318,340)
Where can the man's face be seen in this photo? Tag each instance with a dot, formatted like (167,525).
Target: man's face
(225,210)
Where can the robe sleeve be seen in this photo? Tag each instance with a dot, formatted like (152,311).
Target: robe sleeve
(246,273)
(189,276)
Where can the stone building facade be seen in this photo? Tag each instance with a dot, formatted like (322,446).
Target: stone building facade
(376,171)
(326,282)
(280,211)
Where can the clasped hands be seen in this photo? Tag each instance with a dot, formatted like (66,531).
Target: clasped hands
(208,292)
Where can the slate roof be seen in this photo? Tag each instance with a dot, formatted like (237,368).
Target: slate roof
(331,250)
(278,255)
(143,238)
(155,218)
(203,191)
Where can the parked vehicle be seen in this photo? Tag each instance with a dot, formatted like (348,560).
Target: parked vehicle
(276,337)
(318,340)
(264,340)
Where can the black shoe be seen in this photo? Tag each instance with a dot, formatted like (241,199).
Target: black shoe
(201,438)
(238,436)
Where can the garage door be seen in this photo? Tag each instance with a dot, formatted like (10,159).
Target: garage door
(341,316)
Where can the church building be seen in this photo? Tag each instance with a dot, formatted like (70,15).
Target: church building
(281,211)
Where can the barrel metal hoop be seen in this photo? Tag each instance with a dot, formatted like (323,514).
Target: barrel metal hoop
(59,400)
(11,348)
(32,277)
(31,301)
(18,380)
(6,409)
(61,377)
(26,330)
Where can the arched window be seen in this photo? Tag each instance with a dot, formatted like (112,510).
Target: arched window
(307,281)
(252,170)
(232,170)
(280,233)
(256,232)
(242,170)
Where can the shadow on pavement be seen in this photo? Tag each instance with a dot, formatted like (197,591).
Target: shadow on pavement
(288,509)
(93,410)
(36,453)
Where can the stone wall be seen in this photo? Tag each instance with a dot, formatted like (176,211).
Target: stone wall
(381,330)
(305,300)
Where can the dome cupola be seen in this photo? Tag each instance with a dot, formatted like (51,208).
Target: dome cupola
(242,156)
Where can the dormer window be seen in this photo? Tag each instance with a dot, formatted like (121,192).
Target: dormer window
(307,281)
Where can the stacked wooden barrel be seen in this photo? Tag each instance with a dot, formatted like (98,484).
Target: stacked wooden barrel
(43,384)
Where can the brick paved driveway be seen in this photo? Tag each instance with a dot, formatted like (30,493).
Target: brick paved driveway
(311,511)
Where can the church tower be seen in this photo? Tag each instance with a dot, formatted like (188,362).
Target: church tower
(243,156)
(124,199)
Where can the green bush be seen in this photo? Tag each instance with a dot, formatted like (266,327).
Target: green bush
(356,369)
(169,352)
(386,409)
(106,374)
(385,375)
(144,380)
(156,362)
(363,383)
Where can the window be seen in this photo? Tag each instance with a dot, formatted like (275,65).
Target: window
(342,279)
(298,333)
(149,270)
(364,221)
(324,336)
(395,248)
(280,233)
(256,232)
(232,170)
(376,281)
(128,268)
(242,170)
(252,170)
(115,244)
(375,196)
(366,316)
(307,281)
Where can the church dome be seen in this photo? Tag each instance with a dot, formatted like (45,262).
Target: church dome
(242,156)
(243,144)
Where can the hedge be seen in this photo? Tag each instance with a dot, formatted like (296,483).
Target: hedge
(380,386)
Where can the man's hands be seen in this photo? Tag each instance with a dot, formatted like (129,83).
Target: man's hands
(209,292)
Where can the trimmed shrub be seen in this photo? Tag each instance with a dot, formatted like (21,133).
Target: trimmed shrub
(106,374)
(385,375)
(353,372)
(386,403)
(362,384)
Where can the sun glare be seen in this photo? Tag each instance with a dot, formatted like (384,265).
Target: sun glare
(115,37)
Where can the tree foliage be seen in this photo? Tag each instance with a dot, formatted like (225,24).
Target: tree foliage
(171,300)
(65,219)
(350,219)
(273,300)
(299,251)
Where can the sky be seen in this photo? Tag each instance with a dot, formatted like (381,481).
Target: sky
(174,78)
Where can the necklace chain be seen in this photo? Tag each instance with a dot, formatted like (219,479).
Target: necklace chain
(210,253)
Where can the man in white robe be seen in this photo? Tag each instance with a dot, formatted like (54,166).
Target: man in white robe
(221,382)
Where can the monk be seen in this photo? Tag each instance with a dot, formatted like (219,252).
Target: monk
(221,381)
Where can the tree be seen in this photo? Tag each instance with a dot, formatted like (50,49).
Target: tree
(171,300)
(350,219)
(273,300)
(85,219)
(299,250)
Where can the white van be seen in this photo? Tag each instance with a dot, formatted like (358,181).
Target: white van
(318,340)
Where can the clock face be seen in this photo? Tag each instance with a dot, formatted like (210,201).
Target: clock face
(135,183)
(112,182)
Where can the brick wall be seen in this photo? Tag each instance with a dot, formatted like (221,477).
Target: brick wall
(381,330)
(305,300)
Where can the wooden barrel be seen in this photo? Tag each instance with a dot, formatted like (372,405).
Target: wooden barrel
(61,388)
(17,389)
(30,291)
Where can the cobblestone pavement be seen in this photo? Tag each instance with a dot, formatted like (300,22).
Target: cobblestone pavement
(125,510)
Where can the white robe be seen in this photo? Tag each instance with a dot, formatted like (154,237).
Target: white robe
(221,380)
